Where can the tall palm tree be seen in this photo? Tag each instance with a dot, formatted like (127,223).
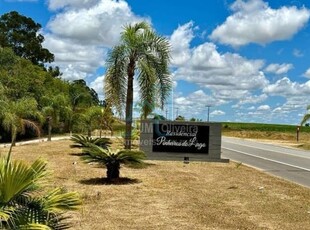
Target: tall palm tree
(306,116)
(22,204)
(144,53)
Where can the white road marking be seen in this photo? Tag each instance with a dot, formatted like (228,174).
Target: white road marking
(290,154)
(264,158)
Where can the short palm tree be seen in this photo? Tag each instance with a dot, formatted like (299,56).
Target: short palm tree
(146,54)
(82,141)
(112,159)
(23,205)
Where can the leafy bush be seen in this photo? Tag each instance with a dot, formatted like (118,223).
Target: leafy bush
(81,141)
(22,204)
(112,159)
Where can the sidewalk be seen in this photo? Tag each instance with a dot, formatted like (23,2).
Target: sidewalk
(38,140)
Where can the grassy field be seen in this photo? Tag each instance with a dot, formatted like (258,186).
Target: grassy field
(233,126)
(173,195)
(282,134)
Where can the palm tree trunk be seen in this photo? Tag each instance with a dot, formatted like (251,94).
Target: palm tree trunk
(89,128)
(13,143)
(113,170)
(129,105)
(13,138)
(49,129)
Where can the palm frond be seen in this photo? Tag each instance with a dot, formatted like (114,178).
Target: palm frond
(34,226)
(58,201)
(131,156)
(82,141)
(5,216)
(154,53)
(104,156)
(16,178)
(116,77)
(305,119)
(21,206)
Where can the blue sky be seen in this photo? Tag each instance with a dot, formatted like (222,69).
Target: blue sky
(248,60)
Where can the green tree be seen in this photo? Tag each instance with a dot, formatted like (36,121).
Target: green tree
(22,35)
(112,159)
(20,76)
(81,95)
(55,108)
(54,71)
(106,119)
(16,116)
(81,98)
(180,118)
(142,52)
(91,117)
(22,206)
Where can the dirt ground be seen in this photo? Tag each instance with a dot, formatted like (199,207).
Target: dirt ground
(173,195)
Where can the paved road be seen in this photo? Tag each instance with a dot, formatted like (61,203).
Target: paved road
(290,164)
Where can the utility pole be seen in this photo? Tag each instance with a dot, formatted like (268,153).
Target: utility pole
(208,106)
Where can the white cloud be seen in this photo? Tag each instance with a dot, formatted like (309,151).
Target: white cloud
(194,103)
(97,85)
(263,108)
(82,32)
(76,61)
(228,75)
(279,68)
(297,53)
(254,21)
(296,97)
(276,110)
(205,56)
(286,88)
(217,113)
(94,25)
(180,43)
(59,4)
(307,73)
(230,71)
(252,99)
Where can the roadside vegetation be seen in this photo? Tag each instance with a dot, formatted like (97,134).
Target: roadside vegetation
(162,195)
(286,135)
(132,194)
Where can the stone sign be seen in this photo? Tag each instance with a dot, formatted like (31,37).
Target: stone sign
(171,140)
(182,138)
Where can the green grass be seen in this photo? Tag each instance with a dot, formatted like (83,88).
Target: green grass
(119,126)
(232,126)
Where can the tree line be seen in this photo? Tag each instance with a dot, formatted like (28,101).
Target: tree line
(33,98)
(25,82)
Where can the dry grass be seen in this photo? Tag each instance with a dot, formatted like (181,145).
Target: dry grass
(172,195)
